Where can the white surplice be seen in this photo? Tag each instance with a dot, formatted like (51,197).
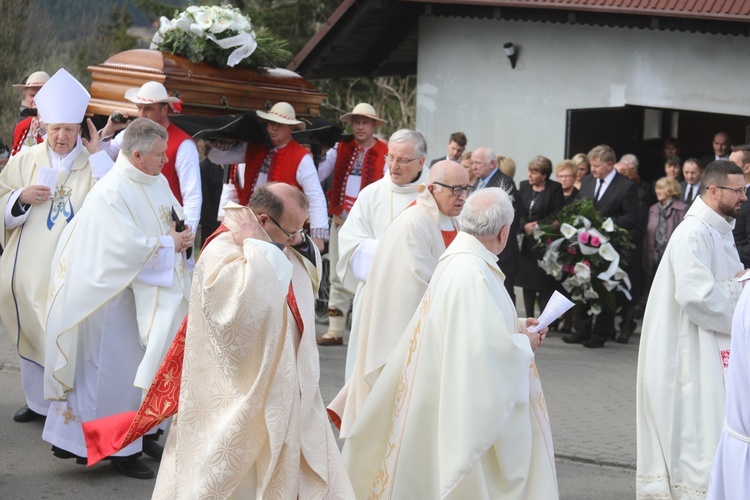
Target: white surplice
(406,257)
(730,474)
(430,429)
(251,421)
(117,295)
(376,206)
(680,391)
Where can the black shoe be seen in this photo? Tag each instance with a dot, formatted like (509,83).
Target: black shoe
(573,339)
(65,454)
(26,414)
(152,448)
(593,344)
(132,467)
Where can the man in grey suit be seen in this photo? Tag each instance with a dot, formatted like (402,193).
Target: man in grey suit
(484,165)
(614,196)
(691,186)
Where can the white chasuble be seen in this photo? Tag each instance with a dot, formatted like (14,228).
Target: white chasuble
(251,421)
(729,473)
(425,431)
(376,206)
(407,256)
(29,247)
(680,391)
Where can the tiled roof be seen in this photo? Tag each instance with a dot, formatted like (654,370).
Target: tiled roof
(729,10)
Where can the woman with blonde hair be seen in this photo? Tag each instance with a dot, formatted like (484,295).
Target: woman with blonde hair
(565,171)
(466,163)
(663,218)
(506,165)
(581,161)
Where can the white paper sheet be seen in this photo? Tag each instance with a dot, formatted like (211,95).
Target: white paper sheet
(745,276)
(47,177)
(557,306)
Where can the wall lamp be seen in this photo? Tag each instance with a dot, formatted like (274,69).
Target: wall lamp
(512,52)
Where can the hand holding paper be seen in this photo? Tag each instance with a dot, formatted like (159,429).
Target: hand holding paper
(557,306)
(47,177)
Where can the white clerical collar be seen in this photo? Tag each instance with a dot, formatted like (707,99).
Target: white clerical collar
(63,163)
(406,188)
(130,171)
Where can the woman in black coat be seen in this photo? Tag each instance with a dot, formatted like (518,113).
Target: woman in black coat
(540,197)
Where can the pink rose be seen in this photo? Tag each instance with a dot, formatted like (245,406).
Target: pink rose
(584,238)
(549,241)
(555,225)
(572,250)
(586,263)
(595,241)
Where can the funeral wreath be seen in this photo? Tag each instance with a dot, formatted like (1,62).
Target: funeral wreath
(587,254)
(219,35)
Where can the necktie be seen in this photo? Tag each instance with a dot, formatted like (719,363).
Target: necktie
(481,183)
(689,196)
(598,189)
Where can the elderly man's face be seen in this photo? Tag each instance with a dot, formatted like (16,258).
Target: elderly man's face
(403,164)
(152,162)
(278,133)
(448,203)
(62,137)
(692,172)
(481,166)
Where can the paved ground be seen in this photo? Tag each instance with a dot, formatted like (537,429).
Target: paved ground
(590,395)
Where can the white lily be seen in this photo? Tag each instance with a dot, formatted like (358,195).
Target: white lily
(568,231)
(590,293)
(594,310)
(608,225)
(608,252)
(583,272)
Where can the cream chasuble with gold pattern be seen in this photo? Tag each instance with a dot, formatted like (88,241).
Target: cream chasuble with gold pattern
(251,421)
(458,411)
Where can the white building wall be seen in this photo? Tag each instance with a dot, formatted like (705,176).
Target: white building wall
(465,81)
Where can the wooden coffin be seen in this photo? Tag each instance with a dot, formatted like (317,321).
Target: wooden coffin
(204,89)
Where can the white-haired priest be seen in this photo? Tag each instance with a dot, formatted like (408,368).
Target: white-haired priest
(119,291)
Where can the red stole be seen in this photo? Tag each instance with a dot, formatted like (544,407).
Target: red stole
(284,164)
(176,138)
(372,170)
(108,435)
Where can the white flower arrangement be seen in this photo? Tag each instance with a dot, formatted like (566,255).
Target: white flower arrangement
(581,251)
(219,35)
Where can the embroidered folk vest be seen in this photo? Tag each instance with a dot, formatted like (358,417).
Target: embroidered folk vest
(176,138)
(283,166)
(372,170)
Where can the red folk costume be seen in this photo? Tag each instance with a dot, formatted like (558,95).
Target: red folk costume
(370,169)
(176,138)
(279,164)
(21,134)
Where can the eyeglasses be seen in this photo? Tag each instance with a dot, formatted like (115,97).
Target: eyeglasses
(401,162)
(290,236)
(457,190)
(738,191)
